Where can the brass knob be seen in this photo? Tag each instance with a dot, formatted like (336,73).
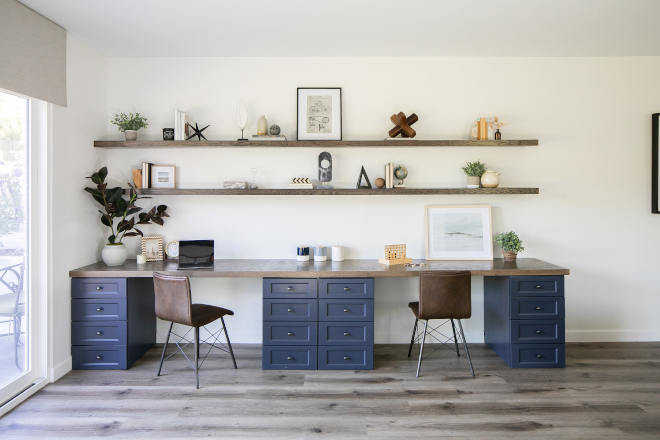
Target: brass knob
(346,358)
(289,310)
(99,357)
(99,333)
(346,334)
(539,356)
(346,288)
(289,288)
(290,334)
(346,310)
(289,358)
(538,287)
(99,287)
(538,332)
(538,308)
(100,309)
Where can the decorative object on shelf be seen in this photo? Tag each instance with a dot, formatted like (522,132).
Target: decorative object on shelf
(400,173)
(168,134)
(474,133)
(300,183)
(262,126)
(380,182)
(363,173)
(490,179)
(234,184)
(303,253)
(402,125)
(274,130)
(197,132)
(268,137)
(319,113)
(474,171)
(182,125)
(140,259)
(163,176)
(496,124)
(458,232)
(510,244)
(137,178)
(241,118)
(146,175)
(338,253)
(254,172)
(395,254)
(172,249)
(330,144)
(325,171)
(655,163)
(152,247)
(320,253)
(130,124)
(115,207)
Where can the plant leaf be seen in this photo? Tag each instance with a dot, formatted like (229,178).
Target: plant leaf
(113,194)
(158,221)
(111,239)
(161,208)
(133,210)
(121,205)
(103,173)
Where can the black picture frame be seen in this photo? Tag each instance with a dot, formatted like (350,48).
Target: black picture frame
(655,163)
(299,129)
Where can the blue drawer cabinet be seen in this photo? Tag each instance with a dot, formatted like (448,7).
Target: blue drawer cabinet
(346,288)
(113,321)
(346,333)
(289,358)
(346,310)
(290,288)
(290,333)
(290,309)
(524,320)
(346,357)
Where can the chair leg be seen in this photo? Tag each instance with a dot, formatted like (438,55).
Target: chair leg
(421,349)
(196,358)
(17,336)
(162,356)
(231,350)
(412,340)
(460,328)
(455,340)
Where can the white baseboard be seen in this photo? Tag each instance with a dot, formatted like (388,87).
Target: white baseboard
(60,369)
(650,335)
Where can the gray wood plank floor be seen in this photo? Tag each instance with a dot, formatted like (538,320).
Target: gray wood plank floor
(608,390)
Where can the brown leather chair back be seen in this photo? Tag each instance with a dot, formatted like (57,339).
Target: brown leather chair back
(173,300)
(445,295)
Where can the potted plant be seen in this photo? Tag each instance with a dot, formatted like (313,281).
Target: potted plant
(510,244)
(130,124)
(474,171)
(115,207)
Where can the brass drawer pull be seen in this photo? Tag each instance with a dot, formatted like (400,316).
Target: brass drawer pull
(346,289)
(289,288)
(346,310)
(290,358)
(100,309)
(289,310)
(99,333)
(539,308)
(289,334)
(99,287)
(346,334)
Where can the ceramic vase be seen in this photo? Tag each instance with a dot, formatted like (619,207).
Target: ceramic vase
(509,256)
(130,135)
(262,126)
(490,179)
(114,254)
(473,181)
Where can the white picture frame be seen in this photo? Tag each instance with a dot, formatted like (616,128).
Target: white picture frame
(458,232)
(163,176)
(319,114)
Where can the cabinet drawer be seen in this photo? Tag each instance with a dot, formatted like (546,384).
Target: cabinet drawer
(537,308)
(346,358)
(99,333)
(538,356)
(346,310)
(111,357)
(98,288)
(290,309)
(290,288)
(290,333)
(111,309)
(289,358)
(537,331)
(346,288)
(537,286)
(346,333)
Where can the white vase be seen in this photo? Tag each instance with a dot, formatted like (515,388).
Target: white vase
(130,135)
(490,179)
(262,126)
(114,254)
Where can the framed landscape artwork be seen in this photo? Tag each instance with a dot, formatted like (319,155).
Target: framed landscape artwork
(319,114)
(655,164)
(458,232)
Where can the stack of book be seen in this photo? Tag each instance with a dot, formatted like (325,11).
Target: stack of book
(389,175)
(301,183)
(268,137)
(182,122)
(146,174)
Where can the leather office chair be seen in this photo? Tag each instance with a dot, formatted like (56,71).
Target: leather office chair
(442,295)
(174,304)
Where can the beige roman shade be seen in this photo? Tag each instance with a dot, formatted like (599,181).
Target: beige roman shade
(32,54)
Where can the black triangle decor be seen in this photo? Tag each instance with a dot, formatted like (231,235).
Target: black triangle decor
(363,173)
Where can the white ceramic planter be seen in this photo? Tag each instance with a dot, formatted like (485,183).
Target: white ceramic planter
(131,135)
(473,181)
(114,254)
(490,179)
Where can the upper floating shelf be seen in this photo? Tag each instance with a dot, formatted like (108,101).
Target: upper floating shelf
(310,144)
(330,192)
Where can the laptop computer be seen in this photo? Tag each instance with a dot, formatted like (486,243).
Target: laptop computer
(195,254)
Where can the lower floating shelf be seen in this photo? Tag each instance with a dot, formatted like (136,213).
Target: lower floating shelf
(331,192)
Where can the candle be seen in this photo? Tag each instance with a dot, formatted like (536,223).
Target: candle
(141,259)
(319,253)
(303,253)
(338,253)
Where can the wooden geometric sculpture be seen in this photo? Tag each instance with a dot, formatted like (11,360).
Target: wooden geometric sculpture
(403,125)
(395,254)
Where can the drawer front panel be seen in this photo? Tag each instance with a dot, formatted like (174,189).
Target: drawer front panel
(346,333)
(111,309)
(99,333)
(290,288)
(537,308)
(538,356)
(290,309)
(98,288)
(289,358)
(290,333)
(99,358)
(346,288)
(537,331)
(537,286)
(346,310)
(346,358)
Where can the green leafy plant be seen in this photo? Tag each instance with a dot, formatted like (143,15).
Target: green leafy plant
(509,242)
(130,122)
(474,169)
(115,207)
(12,212)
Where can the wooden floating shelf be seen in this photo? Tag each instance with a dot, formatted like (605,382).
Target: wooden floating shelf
(332,192)
(313,144)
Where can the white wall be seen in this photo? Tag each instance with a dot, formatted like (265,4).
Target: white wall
(592,165)
(74,229)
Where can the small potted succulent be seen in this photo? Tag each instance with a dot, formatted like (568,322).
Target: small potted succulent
(474,171)
(510,244)
(130,124)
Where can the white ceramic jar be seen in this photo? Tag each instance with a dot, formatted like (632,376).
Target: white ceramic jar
(262,126)
(130,135)
(114,254)
(490,179)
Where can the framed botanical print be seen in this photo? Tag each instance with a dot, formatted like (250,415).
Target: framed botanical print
(319,113)
(458,232)
(655,163)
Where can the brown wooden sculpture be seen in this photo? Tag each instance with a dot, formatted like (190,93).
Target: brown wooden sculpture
(403,125)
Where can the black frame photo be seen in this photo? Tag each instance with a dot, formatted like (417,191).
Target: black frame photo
(655,164)
(319,113)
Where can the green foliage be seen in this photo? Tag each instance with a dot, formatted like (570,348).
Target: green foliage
(115,207)
(130,122)
(509,241)
(474,169)
(11,202)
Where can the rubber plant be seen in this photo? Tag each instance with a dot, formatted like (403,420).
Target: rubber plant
(115,207)
(510,244)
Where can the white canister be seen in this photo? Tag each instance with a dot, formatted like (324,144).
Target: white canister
(141,259)
(490,179)
(319,253)
(338,253)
